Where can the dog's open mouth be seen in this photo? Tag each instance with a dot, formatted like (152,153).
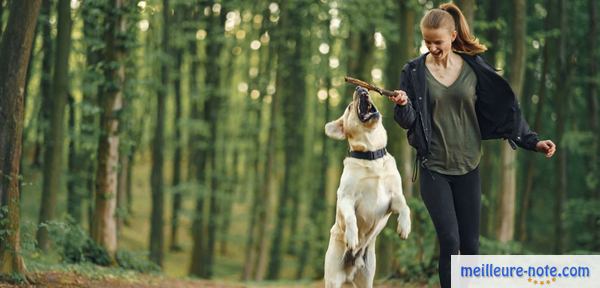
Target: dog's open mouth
(366,108)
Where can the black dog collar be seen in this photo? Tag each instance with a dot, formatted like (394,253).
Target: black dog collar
(369,155)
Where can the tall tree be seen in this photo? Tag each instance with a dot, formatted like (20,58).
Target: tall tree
(198,161)
(400,49)
(54,139)
(93,16)
(265,58)
(490,148)
(215,41)
(104,230)
(561,111)
(74,196)
(14,59)
(46,79)
(177,158)
(293,104)
(506,209)
(530,169)
(156,179)
(268,183)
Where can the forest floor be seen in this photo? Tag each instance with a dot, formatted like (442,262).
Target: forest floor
(70,279)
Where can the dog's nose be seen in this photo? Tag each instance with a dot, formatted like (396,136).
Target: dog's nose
(361,90)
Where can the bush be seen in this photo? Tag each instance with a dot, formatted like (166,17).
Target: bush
(75,245)
(494,247)
(416,255)
(136,261)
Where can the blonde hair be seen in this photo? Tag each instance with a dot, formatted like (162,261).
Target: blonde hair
(449,15)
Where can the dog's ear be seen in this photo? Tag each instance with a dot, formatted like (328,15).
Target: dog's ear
(335,129)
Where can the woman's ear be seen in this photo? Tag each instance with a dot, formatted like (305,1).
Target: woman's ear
(335,129)
(453,35)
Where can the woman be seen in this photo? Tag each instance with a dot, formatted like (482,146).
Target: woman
(450,100)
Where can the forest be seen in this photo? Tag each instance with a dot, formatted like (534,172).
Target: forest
(182,141)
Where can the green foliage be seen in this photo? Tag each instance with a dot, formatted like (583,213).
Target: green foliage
(13,278)
(74,244)
(136,261)
(494,247)
(579,215)
(416,255)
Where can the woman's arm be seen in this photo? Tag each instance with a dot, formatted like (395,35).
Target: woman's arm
(404,112)
(529,140)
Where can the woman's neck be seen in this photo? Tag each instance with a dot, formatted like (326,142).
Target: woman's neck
(449,60)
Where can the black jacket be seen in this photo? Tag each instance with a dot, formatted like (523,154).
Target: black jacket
(497,109)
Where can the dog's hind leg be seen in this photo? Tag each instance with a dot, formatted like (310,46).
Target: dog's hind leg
(364,276)
(335,274)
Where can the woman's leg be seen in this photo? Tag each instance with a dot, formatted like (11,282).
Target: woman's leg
(467,204)
(437,195)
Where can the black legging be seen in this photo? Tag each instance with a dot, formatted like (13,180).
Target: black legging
(454,204)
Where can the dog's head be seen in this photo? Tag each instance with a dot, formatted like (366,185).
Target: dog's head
(360,124)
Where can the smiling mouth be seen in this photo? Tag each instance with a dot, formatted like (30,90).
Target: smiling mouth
(366,108)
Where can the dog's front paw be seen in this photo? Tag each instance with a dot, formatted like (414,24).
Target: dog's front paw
(351,241)
(404,224)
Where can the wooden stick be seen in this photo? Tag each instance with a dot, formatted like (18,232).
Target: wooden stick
(369,86)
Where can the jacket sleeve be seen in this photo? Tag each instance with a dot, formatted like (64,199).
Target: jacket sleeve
(524,136)
(406,115)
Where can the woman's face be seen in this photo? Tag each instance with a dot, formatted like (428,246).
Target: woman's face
(438,41)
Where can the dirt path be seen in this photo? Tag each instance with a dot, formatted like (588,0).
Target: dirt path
(63,279)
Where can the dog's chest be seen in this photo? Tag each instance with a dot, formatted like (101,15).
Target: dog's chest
(373,204)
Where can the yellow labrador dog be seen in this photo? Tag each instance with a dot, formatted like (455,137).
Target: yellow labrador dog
(370,190)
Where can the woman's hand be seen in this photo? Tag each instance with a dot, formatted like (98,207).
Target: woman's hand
(400,98)
(546,146)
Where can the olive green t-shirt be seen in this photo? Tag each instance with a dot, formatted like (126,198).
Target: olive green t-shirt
(456,139)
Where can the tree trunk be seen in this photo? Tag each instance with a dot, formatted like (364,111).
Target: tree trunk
(234,175)
(267,188)
(530,169)
(265,60)
(197,166)
(89,117)
(293,104)
(177,196)
(268,184)
(45,81)
(14,59)
(316,240)
(561,113)
(401,48)
(55,138)
(74,197)
(212,82)
(506,210)
(490,149)
(105,223)
(122,184)
(157,220)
